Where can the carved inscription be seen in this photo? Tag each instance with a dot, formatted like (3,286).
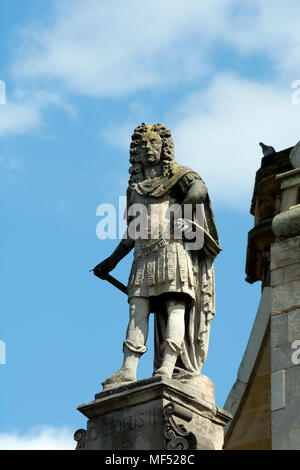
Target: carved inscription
(111,426)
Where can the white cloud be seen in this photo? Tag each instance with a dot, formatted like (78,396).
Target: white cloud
(22,112)
(119,136)
(269,27)
(43,438)
(107,48)
(17,118)
(219,130)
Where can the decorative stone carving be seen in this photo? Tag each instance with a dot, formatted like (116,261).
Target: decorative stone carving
(176,436)
(266,204)
(80,437)
(287,223)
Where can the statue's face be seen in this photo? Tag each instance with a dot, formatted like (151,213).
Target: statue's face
(150,148)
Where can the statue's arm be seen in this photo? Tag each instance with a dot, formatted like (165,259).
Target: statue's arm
(193,189)
(124,247)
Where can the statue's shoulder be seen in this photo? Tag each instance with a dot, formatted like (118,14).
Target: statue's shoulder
(187,176)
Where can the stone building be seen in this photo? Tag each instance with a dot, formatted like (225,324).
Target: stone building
(265,398)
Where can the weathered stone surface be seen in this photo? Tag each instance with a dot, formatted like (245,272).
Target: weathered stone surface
(286,419)
(250,356)
(289,184)
(295,156)
(285,321)
(293,325)
(285,297)
(132,417)
(289,198)
(285,252)
(138,428)
(276,277)
(285,274)
(287,224)
(281,357)
(270,166)
(279,330)
(289,180)
(292,380)
(286,440)
(292,272)
(277,390)
(251,424)
(260,423)
(266,203)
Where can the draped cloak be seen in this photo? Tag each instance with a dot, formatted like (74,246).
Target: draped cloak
(198,314)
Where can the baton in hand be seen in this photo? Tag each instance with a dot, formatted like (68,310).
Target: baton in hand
(115,283)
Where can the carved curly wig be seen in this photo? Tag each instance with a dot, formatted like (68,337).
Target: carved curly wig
(167,153)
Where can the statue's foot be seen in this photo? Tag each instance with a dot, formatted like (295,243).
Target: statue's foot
(121,377)
(164,371)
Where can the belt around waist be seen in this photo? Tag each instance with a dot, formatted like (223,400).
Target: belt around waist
(147,250)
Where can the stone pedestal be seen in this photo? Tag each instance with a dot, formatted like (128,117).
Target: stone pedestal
(154,414)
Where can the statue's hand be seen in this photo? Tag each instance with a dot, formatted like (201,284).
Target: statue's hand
(102,269)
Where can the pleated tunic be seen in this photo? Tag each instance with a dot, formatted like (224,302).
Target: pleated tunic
(161,263)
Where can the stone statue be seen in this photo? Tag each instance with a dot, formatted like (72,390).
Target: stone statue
(168,279)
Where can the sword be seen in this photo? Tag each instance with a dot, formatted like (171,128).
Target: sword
(115,283)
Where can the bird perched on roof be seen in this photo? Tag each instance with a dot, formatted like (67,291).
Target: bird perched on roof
(266,149)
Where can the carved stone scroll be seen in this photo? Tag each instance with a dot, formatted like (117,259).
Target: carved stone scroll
(79,437)
(176,436)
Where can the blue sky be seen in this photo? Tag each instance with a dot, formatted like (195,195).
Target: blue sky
(80,75)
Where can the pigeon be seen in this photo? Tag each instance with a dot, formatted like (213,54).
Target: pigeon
(266,149)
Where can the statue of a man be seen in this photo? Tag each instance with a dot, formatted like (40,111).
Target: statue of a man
(168,279)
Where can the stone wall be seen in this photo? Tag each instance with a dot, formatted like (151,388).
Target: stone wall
(285,332)
(251,425)
(266,406)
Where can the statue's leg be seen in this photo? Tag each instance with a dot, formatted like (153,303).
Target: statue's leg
(134,345)
(172,346)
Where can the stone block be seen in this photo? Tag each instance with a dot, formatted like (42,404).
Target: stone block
(293,325)
(286,419)
(285,274)
(285,252)
(155,414)
(287,224)
(285,297)
(292,272)
(292,384)
(289,198)
(279,330)
(281,358)
(286,440)
(277,277)
(295,159)
(277,390)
